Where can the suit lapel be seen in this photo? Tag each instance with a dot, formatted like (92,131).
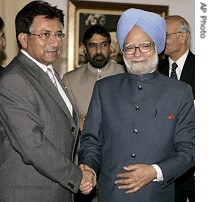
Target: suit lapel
(37,73)
(53,91)
(187,68)
(74,112)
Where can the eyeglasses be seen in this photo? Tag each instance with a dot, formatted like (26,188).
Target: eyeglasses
(144,48)
(167,34)
(46,36)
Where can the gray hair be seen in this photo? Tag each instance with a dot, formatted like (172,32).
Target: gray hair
(184,25)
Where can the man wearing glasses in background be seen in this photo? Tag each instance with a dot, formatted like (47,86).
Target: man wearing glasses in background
(38,121)
(177,50)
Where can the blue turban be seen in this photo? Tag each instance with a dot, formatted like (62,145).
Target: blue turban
(151,23)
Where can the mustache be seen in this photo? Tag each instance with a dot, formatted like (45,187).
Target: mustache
(139,59)
(98,55)
(52,49)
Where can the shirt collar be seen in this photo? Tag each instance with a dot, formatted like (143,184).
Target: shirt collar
(180,62)
(95,70)
(42,66)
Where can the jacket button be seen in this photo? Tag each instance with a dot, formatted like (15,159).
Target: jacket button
(139,87)
(71,185)
(135,131)
(72,129)
(133,156)
(137,108)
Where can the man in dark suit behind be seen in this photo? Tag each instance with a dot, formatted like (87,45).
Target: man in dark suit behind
(177,50)
(2,40)
(38,120)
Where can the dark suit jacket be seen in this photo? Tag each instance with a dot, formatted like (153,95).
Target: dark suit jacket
(188,71)
(147,119)
(37,137)
(1,69)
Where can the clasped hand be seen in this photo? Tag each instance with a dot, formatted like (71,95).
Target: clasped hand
(135,177)
(88,180)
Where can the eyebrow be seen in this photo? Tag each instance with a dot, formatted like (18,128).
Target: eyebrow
(96,42)
(143,42)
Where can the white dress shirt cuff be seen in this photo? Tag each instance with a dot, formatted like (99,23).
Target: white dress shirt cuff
(159,173)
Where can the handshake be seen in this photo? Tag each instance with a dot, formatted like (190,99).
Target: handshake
(88,180)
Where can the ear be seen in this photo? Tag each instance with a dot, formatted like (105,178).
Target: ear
(23,39)
(85,50)
(184,36)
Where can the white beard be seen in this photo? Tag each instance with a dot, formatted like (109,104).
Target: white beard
(144,67)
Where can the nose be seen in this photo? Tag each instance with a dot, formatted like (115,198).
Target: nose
(53,41)
(138,52)
(98,48)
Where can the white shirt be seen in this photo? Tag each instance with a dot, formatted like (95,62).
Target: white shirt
(60,89)
(180,62)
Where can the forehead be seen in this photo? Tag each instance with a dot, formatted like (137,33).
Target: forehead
(42,23)
(172,24)
(97,38)
(137,35)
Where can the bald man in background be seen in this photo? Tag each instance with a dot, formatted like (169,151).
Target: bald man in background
(177,50)
(139,131)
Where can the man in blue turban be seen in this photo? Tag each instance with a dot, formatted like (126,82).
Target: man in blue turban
(139,131)
(151,23)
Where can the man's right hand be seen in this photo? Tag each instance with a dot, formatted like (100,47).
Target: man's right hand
(88,180)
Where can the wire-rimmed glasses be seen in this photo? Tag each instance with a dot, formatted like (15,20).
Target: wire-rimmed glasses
(46,36)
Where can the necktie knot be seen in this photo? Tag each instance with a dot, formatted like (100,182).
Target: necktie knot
(173,71)
(174,65)
(51,76)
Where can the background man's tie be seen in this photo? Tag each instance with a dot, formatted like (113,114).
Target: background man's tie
(173,72)
(51,76)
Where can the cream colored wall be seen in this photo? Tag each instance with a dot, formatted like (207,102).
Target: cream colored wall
(9,9)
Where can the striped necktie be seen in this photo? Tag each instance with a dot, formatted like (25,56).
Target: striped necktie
(51,76)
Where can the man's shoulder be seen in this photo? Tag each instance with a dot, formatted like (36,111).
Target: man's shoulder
(191,56)
(191,53)
(114,78)
(1,68)
(76,71)
(117,67)
(163,61)
(115,64)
